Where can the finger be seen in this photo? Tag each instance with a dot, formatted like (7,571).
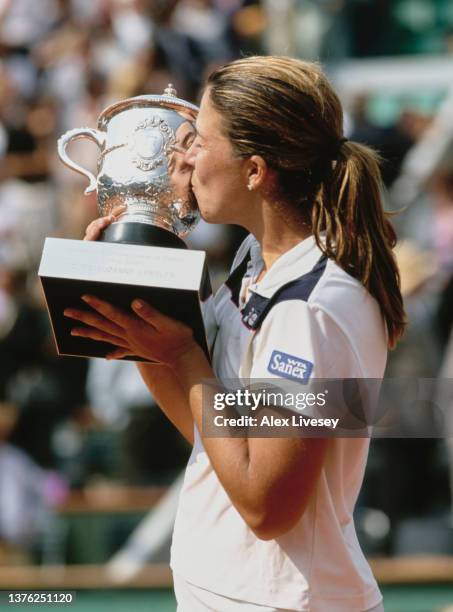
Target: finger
(96,334)
(107,310)
(153,316)
(94,230)
(119,210)
(94,320)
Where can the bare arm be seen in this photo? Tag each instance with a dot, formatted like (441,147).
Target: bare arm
(269,481)
(169,395)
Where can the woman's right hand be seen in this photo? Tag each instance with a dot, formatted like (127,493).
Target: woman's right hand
(160,379)
(96,227)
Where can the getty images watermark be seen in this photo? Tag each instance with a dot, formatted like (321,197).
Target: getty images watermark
(388,408)
(254,400)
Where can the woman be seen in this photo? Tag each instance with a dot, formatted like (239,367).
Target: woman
(266,524)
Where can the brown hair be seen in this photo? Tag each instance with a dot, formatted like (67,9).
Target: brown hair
(286,111)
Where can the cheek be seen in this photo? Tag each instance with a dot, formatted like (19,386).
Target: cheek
(215,177)
(205,169)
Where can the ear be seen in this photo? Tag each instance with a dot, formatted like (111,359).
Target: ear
(257,172)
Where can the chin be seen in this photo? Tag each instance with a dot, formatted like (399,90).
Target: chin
(205,212)
(211,213)
(207,216)
(212,216)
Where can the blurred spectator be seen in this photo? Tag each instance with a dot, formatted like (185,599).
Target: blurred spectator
(120,399)
(61,63)
(27,494)
(392,142)
(24,22)
(43,388)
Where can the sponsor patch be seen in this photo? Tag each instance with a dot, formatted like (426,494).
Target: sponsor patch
(289,366)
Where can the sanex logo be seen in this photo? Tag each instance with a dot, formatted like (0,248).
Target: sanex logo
(290,366)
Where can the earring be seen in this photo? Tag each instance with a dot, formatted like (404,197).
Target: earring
(249,187)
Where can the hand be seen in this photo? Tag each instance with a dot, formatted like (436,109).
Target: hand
(145,332)
(96,227)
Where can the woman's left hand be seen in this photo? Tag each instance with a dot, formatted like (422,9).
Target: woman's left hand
(145,332)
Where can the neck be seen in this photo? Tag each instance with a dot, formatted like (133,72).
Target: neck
(277,231)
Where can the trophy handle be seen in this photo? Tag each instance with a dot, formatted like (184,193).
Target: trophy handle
(96,136)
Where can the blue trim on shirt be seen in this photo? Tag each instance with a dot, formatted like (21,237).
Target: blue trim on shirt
(258,307)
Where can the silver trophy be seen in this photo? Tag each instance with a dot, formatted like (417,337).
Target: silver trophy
(142,142)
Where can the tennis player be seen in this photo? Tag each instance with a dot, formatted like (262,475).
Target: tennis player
(266,524)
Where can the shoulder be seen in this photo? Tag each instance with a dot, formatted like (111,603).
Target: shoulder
(348,304)
(336,284)
(297,332)
(336,328)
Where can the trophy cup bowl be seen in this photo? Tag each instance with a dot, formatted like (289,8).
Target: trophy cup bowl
(142,165)
(142,142)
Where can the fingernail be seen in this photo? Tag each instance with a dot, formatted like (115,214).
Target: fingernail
(67,312)
(74,332)
(88,298)
(138,304)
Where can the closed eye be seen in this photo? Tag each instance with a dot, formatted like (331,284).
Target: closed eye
(188,140)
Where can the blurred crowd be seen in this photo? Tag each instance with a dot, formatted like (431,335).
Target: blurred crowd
(68,423)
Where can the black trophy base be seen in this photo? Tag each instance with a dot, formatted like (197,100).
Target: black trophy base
(64,293)
(170,279)
(143,234)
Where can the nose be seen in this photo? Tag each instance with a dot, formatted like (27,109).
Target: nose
(190,155)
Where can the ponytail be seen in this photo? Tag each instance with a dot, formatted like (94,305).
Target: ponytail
(357,233)
(286,111)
